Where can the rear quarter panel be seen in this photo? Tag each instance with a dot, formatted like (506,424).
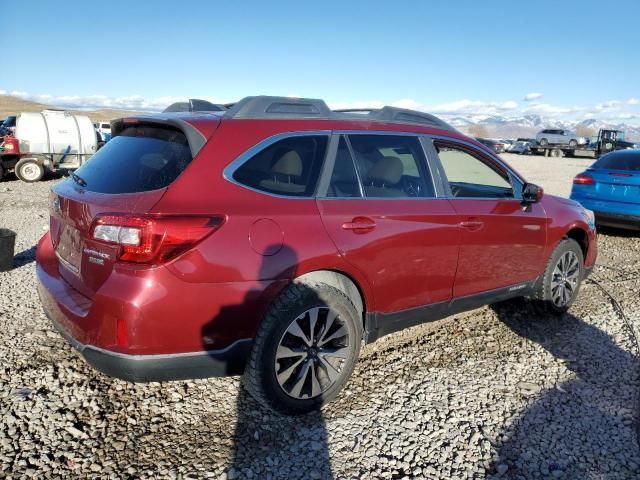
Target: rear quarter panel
(264,237)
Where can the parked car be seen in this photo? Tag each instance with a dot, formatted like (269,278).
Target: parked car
(8,126)
(559,137)
(507,144)
(521,148)
(492,144)
(275,237)
(104,132)
(611,188)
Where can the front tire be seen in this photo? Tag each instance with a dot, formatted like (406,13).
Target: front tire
(562,277)
(29,170)
(305,349)
(573,143)
(544,142)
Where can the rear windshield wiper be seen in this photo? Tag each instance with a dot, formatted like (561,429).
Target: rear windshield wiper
(78,179)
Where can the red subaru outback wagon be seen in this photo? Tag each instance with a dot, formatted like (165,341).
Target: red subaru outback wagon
(274,236)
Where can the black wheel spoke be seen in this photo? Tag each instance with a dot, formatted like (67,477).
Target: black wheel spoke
(311,352)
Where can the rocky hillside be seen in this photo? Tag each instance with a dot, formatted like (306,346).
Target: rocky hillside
(11,105)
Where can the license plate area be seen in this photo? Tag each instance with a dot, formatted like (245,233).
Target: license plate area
(69,249)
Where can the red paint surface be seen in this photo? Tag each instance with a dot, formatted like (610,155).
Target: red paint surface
(407,253)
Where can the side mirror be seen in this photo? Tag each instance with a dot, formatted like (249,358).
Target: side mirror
(531,193)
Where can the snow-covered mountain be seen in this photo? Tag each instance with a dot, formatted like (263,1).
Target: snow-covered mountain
(528,125)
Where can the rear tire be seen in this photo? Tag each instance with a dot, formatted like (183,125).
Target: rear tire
(544,142)
(305,349)
(556,153)
(562,277)
(29,170)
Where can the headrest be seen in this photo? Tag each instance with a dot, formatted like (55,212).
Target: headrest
(289,163)
(387,170)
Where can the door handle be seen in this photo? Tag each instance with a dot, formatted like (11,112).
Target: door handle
(472,224)
(360,225)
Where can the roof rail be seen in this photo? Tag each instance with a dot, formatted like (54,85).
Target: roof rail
(278,107)
(267,107)
(194,105)
(404,115)
(349,110)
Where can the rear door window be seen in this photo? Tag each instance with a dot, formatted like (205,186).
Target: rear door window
(391,166)
(141,158)
(288,167)
(344,181)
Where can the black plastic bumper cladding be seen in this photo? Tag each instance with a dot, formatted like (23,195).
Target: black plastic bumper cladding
(157,368)
(617,220)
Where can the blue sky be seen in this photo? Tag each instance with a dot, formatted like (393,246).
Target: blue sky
(464,57)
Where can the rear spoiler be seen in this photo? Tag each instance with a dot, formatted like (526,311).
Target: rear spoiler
(195,139)
(194,105)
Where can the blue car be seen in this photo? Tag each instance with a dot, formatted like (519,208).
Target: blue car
(611,188)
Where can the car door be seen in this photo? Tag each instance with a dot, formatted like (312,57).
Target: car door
(502,240)
(380,208)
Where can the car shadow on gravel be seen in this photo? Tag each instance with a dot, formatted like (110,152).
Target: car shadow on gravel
(619,232)
(268,445)
(585,427)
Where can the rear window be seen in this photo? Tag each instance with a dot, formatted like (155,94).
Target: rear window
(141,158)
(619,161)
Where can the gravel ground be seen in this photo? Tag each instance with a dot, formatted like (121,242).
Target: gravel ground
(498,392)
(553,174)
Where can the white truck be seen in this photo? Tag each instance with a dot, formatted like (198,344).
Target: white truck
(49,140)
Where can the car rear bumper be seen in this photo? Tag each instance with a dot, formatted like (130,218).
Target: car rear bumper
(611,213)
(618,220)
(157,368)
(176,331)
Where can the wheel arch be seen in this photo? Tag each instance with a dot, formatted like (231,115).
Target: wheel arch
(342,282)
(581,237)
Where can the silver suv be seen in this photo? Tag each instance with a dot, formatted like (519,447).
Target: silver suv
(559,137)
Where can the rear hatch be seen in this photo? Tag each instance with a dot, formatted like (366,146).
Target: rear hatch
(128,176)
(617,185)
(616,177)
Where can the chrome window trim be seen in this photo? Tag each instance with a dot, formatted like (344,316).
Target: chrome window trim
(513,176)
(230,169)
(440,192)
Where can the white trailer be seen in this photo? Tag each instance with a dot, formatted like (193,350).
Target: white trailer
(52,140)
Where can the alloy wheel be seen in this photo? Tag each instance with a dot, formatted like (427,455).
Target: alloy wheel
(564,280)
(311,353)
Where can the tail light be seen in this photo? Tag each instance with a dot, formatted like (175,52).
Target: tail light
(153,239)
(11,145)
(582,179)
(617,174)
